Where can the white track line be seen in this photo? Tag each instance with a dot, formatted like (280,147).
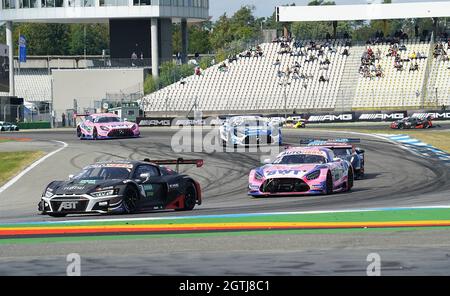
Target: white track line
(32,166)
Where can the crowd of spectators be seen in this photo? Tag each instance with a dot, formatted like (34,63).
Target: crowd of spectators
(312,51)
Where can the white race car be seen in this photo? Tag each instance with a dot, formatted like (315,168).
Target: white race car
(250,131)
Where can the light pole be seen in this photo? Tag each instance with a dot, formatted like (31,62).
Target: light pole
(284,84)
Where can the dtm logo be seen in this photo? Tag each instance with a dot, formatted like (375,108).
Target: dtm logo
(68,205)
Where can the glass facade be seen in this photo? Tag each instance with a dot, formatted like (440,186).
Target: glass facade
(113,2)
(28,3)
(81,3)
(11,4)
(52,3)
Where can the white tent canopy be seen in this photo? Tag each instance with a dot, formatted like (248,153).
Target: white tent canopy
(363,12)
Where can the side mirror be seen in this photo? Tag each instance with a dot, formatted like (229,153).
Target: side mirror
(71,177)
(144,177)
(267,161)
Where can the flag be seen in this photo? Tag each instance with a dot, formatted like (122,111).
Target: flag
(22,49)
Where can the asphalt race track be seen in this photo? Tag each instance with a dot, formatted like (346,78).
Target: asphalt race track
(395,178)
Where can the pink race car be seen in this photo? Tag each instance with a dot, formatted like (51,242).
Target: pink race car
(302,171)
(106,126)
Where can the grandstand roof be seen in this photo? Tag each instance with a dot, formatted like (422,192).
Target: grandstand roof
(363,12)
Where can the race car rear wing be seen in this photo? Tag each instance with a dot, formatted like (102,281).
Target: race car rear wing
(180,161)
(319,142)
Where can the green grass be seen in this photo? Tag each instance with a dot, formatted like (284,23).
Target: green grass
(11,163)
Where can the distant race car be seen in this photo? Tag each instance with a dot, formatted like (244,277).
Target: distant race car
(7,126)
(106,126)
(413,123)
(344,149)
(295,122)
(302,171)
(250,130)
(123,187)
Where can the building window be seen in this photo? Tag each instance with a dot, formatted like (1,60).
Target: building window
(52,3)
(81,3)
(28,3)
(142,2)
(113,2)
(9,4)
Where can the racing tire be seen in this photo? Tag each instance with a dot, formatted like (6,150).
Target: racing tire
(2,129)
(130,200)
(190,198)
(57,215)
(94,134)
(79,134)
(329,184)
(351,180)
(426,125)
(401,127)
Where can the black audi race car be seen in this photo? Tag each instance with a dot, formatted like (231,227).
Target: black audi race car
(123,187)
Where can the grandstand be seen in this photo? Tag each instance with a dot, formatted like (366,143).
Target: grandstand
(256,84)
(33,85)
(397,87)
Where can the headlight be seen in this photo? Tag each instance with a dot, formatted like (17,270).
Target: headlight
(259,176)
(48,193)
(313,175)
(103,193)
(104,128)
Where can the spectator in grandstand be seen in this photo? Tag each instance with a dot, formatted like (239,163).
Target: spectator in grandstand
(379,71)
(298,44)
(198,71)
(345,52)
(413,55)
(421,56)
(277,62)
(232,58)
(445,58)
(323,78)
(305,84)
(326,61)
(280,74)
(402,48)
(311,58)
(398,65)
(223,67)
(414,67)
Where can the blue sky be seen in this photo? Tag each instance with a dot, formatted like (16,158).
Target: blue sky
(267,7)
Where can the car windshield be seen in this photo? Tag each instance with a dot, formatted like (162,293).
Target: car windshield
(107,119)
(93,175)
(342,152)
(300,159)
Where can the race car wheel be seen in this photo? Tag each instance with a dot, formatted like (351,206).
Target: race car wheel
(426,125)
(94,134)
(190,199)
(401,126)
(329,184)
(56,215)
(3,129)
(130,200)
(78,132)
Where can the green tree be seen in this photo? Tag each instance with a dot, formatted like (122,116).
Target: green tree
(95,40)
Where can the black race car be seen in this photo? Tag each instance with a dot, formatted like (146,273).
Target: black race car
(344,149)
(123,187)
(413,123)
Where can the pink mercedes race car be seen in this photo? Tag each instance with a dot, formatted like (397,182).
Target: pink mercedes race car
(106,126)
(302,171)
